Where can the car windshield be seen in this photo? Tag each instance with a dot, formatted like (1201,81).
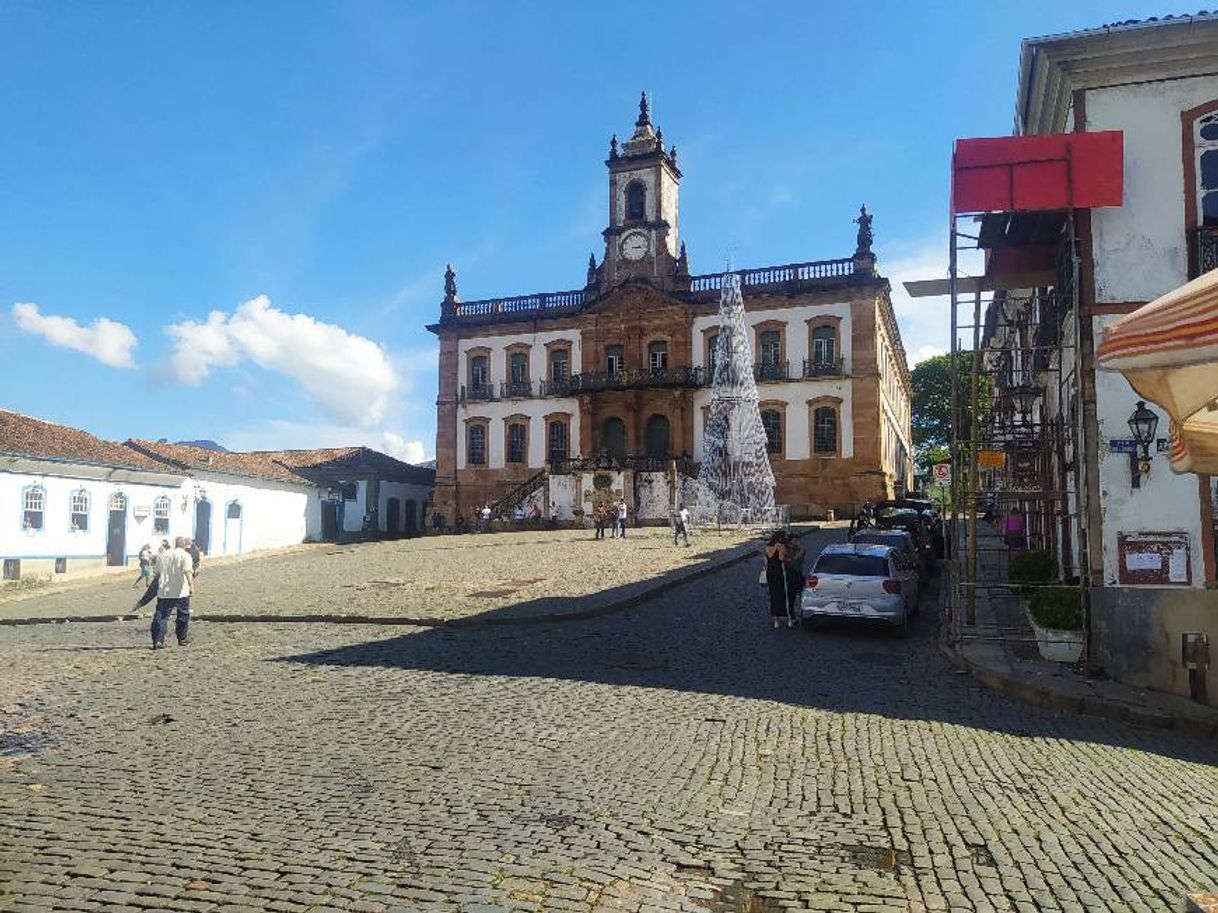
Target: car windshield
(880,539)
(852,565)
(898,512)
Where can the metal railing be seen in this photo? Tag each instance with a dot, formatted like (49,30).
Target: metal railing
(1205,244)
(626,379)
(516,389)
(821,367)
(605,463)
(770,371)
(477,392)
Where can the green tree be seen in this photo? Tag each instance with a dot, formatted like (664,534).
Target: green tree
(932,402)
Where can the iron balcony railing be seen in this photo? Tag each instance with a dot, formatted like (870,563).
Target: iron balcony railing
(626,379)
(823,367)
(476,392)
(1205,247)
(516,389)
(770,370)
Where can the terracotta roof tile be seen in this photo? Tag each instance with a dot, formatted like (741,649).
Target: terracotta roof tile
(33,437)
(186,456)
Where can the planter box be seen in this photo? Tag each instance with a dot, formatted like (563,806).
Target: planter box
(1056,645)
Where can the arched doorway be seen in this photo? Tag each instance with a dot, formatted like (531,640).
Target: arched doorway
(412,516)
(203,525)
(657,439)
(613,438)
(393,517)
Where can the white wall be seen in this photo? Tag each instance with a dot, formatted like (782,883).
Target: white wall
(797,435)
(271,517)
(797,335)
(404,492)
(1139,246)
(1165,502)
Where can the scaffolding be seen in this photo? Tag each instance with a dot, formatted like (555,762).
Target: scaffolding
(1019,360)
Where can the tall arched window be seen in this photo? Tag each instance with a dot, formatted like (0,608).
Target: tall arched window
(613,437)
(770,343)
(636,201)
(658,437)
(475,453)
(712,353)
(771,421)
(614,360)
(556,436)
(560,364)
(824,346)
(517,442)
(1205,145)
(824,431)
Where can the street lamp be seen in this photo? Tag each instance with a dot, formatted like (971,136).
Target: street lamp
(1142,424)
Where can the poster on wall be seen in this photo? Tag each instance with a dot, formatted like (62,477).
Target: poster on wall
(1154,559)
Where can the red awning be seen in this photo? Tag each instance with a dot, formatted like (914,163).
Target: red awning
(1027,173)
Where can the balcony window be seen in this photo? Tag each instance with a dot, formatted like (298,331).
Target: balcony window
(479,371)
(613,360)
(824,346)
(770,344)
(560,365)
(712,353)
(657,355)
(518,367)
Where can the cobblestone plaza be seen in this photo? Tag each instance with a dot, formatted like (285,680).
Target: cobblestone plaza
(679,755)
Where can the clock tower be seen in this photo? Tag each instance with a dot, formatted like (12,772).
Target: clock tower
(641,241)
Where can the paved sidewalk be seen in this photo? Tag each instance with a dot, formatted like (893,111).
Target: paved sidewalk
(999,651)
(432,583)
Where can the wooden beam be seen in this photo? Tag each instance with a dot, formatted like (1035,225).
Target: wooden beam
(971,285)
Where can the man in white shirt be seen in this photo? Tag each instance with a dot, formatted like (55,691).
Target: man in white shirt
(621,518)
(680,521)
(174,584)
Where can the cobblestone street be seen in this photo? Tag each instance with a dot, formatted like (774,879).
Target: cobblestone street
(677,756)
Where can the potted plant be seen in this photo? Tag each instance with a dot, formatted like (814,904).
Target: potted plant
(1032,568)
(1056,616)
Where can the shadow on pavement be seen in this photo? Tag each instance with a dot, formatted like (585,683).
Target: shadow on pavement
(711,636)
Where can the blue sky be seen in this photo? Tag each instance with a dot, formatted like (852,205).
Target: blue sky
(230,220)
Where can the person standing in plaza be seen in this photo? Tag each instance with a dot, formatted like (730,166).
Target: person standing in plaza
(598,518)
(172,586)
(680,526)
(484,519)
(776,577)
(621,517)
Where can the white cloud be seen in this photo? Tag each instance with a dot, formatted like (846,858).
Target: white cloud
(349,377)
(397,446)
(925,322)
(108,341)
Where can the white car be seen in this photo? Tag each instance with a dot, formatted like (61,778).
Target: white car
(867,582)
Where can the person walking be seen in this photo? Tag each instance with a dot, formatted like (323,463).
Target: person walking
(621,517)
(776,577)
(172,587)
(145,566)
(793,565)
(680,526)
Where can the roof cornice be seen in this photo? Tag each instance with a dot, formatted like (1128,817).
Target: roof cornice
(1051,68)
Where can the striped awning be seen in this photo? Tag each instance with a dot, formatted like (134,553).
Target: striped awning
(1168,351)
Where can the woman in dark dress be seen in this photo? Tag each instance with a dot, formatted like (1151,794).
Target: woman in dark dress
(776,577)
(793,564)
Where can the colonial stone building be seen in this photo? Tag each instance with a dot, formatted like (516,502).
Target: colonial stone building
(547,399)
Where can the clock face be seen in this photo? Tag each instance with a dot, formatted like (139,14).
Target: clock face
(634,246)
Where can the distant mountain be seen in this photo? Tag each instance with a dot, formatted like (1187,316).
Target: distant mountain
(430,464)
(205,445)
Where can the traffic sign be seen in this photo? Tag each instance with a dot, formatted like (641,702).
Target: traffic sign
(943,473)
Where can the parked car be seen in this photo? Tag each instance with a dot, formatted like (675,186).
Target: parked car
(926,509)
(913,522)
(903,542)
(866,582)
